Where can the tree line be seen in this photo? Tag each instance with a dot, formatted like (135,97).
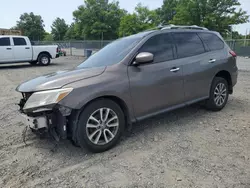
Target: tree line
(105,20)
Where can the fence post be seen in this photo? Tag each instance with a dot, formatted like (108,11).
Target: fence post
(234,44)
(70,48)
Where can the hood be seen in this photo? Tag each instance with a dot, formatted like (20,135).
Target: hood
(59,79)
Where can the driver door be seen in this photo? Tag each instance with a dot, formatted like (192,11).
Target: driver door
(158,85)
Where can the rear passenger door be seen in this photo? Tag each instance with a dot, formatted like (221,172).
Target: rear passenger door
(191,53)
(22,52)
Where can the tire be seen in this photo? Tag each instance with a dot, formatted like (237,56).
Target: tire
(214,103)
(44,59)
(33,62)
(84,133)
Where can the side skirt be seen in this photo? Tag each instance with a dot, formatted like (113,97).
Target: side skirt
(171,108)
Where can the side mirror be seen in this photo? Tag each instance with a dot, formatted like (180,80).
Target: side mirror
(143,57)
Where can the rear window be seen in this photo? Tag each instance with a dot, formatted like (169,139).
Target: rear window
(19,41)
(5,41)
(188,44)
(212,41)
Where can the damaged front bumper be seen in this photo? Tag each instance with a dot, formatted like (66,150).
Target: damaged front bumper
(35,123)
(52,119)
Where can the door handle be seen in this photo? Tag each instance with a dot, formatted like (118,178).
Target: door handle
(175,69)
(8,48)
(27,48)
(211,60)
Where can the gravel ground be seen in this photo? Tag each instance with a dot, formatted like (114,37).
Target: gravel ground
(189,147)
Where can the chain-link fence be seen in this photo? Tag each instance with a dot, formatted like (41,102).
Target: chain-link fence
(78,48)
(241,46)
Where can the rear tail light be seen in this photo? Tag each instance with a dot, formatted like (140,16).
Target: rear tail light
(57,50)
(233,53)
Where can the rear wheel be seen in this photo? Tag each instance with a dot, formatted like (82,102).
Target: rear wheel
(100,125)
(218,94)
(44,59)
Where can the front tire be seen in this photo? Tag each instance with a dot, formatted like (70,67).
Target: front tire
(44,59)
(218,94)
(100,126)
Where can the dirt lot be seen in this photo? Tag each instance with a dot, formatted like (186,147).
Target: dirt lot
(190,147)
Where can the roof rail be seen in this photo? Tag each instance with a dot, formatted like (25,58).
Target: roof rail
(183,27)
(155,28)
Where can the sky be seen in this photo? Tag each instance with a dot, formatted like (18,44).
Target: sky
(50,9)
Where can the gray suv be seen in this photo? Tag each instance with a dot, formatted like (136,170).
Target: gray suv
(131,79)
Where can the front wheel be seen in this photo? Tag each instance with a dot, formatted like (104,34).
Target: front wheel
(44,59)
(218,94)
(100,125)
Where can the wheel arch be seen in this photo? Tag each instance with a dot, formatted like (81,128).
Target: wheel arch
(44,52)
(73,119)
(227,76)
(117,100)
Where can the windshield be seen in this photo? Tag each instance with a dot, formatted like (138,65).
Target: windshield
(112,53)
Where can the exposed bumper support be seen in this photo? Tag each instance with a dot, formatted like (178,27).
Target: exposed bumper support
(36,123)
(51,122)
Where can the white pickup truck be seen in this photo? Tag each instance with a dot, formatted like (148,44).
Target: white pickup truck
(15,49)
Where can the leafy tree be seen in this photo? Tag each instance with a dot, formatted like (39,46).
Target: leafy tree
(167,11)
(235,35)
(129,25)
(74,32)
(141,20)
(59,29)
(217,15)
(48,37)
(31,25)
(148,17)
(70,34)
(98,19)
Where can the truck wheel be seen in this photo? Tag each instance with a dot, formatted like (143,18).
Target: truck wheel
(100,125)
(33,62)
(218,94)
(44,59)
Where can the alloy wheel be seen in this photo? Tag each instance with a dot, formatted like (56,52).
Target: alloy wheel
(45,60)
(220,94)
(102,126)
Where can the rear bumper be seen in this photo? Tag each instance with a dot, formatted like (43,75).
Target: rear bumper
(234,77)
(57,55)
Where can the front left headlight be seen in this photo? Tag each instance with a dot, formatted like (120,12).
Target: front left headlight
(43,98)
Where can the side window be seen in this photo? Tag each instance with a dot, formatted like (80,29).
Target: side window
(188,44)
(161,46)
(5,41)
(19,41)
(212,41)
